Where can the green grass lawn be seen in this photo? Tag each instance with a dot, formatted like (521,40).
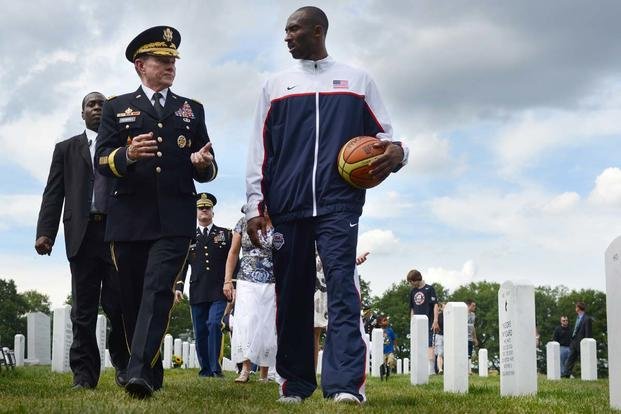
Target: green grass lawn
(36,389)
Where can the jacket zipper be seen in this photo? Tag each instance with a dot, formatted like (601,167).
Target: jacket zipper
(314,180)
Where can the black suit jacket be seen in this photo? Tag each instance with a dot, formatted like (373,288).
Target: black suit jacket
(70,181)
(208,260)
(155,197)
(584,330)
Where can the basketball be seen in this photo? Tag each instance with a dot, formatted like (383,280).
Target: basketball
(354,159)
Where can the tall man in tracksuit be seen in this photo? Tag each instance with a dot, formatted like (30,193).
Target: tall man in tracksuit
(304,117)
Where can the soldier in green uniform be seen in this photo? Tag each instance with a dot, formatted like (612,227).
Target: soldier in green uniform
(154,143)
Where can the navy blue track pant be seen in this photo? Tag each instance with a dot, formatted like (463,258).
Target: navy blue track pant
(344,356)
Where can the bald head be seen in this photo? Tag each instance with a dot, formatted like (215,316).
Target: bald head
(315,17)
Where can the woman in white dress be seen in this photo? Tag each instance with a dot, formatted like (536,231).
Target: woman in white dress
(254,338)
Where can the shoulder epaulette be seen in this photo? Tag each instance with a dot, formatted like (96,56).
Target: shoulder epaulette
(111,97)
(196,100)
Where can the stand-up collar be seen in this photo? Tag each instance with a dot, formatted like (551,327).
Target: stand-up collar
(316,65)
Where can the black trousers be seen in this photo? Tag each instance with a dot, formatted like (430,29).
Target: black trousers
(93,277)
(148,271)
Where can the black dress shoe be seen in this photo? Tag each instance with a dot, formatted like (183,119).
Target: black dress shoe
(82,386)
(139,388)
(218,375)
(120,377)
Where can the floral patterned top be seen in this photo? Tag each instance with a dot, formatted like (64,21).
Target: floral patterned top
(256,263)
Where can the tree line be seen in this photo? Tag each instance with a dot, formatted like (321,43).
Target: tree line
(550,304)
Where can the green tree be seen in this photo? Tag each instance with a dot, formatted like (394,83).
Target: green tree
(12,309)
(37,302)
(365,294)
(395,303)
(180,324)
(485,294)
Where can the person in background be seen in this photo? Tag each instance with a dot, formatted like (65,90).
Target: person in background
(207,258)
(424,301)
(84,192)
(583,328)
(390,344)
(562,335)
(254,340)
(438,340)
(472,332)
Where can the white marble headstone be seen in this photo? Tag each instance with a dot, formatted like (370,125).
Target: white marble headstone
(38,338)
(193,362)
(406,365)
(588,359)
(101,331)
(518,354)
(483,362)
(553,360)
(399,366)
(456,347)
(108,360)
(228,365)
(186,354)
(168,351)
(19,346)
(319,361)
(613,312)
(177,347)
(419,340)
(367,338)
(63,338)
(377,351)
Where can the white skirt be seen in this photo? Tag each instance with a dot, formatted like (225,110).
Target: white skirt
(254,333)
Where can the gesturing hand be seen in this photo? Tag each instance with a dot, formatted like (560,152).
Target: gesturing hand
(388,161)
(202,158)
(142,146)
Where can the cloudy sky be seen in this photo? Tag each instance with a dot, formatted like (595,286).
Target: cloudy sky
(511,111)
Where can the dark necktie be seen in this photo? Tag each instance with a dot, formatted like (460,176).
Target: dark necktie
(99,189)
(205,231)
(159,110)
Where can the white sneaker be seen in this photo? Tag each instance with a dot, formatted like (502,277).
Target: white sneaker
(290,399)
(346,398)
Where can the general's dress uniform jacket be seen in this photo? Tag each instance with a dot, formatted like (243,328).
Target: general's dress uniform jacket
(155,197)
(208,260)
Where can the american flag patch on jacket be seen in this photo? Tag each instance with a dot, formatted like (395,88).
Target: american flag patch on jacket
(340,84)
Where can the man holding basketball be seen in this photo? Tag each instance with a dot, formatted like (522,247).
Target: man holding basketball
(303,118)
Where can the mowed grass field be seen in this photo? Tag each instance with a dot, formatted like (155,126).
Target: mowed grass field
(37,390)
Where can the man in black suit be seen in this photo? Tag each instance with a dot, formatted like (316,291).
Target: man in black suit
(155,143)
(208,261)
(84,191)
(582,329)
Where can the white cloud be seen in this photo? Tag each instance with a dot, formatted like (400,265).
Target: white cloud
(451,279)
(378,242)
(607,189)
(18,210)
(537,133)
(562,203)
(430,154)
(382,204)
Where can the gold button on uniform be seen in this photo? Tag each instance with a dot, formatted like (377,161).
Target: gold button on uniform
(159,153)
(159,139)
(159,124)
(207,268)
(158,169)
(126,126)
(187,127)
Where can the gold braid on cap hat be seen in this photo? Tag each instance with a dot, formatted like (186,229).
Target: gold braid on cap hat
(159,49)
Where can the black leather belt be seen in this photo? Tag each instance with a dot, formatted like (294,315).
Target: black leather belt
(96,217)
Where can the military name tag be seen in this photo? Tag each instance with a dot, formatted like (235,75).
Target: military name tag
(127,119)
